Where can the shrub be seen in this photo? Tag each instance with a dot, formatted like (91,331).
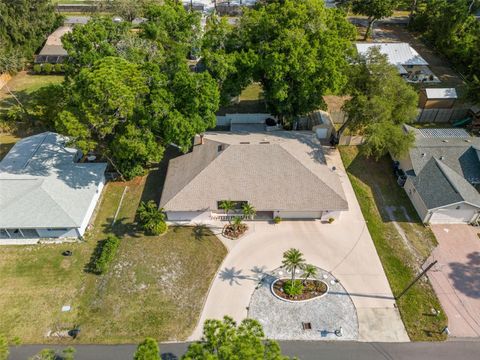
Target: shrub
(277,219)
(330,220)
(47,68)
(147,350)
(151,219)
(106,253)
(58,68)
(37,68)
(3,348)
(15,113)
(45,354)
(293,288)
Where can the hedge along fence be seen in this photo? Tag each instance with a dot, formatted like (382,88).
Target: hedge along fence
(103,255)
(48,68)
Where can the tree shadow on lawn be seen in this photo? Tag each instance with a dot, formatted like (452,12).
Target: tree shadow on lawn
(466,276)
(379,177)
(122,227)
(156,177)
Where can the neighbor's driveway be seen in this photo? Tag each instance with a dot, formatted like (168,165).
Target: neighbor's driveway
(456,277)
(343,248)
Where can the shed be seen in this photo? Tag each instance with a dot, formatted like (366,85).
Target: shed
(437,98)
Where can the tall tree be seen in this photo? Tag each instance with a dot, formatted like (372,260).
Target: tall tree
(228,341)
(374,10)
(381,103)
(298,50)
(147,350)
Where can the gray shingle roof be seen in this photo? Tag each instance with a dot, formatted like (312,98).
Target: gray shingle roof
(280,171)
(42,187)
(438,186)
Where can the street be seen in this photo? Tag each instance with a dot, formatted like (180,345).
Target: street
(461,350)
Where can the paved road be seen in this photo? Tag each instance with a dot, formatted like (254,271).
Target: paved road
(461,350)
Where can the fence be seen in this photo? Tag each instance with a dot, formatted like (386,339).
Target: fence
(228,119)
(441,115)
(351,140)
(4,79)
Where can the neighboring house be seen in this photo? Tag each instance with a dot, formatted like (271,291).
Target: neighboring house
(437,98)
(53,51)
(411,66)
(45,192)
(281,174)
(443,174)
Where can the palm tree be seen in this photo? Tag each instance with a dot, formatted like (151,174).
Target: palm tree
(248,211)
(309,271)
(227,206)
(237,221)
(293,259)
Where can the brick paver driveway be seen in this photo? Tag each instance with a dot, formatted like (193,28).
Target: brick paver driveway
(456,277)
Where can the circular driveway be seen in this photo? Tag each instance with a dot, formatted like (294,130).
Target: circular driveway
(283,320)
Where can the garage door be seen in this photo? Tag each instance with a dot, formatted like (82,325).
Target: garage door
(452,216)
(300,214)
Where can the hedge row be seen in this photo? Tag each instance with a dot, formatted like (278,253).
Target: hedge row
(106,253)
(47,68)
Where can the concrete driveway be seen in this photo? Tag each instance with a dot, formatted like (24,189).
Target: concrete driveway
(456,277)
(343,248)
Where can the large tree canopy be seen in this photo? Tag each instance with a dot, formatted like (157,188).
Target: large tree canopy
(24,25)
(227,341)
(381,103)
(298,50)
(132,93)
(373,9)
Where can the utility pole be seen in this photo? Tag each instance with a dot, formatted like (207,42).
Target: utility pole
(415,280)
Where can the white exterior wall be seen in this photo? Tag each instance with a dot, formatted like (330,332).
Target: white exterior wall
(298,214)
(416,200)
(56,233)
(243,119)
(193,216)
(91,207)
(461,213)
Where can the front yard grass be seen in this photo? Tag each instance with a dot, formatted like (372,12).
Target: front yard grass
(155,287)
(376,188)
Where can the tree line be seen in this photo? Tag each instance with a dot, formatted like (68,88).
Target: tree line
(24,25)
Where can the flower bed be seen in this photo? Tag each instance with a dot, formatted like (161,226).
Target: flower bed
(233,232)
(311,289)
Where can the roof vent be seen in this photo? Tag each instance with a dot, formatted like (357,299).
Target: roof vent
(468,140)
(445,140)
(442,157)
(244,142)
(424,154)
(264,142)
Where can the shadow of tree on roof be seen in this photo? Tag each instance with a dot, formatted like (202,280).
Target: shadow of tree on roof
(466,276)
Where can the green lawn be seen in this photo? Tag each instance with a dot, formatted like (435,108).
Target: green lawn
(250,101)
(155,287)
(376,188)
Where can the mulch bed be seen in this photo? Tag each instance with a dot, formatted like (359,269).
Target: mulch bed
(311,289)
(232,232)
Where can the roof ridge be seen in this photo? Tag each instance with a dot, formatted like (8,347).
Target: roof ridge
(196,175)
(445,169)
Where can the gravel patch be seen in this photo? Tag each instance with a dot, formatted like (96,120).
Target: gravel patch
(282,320)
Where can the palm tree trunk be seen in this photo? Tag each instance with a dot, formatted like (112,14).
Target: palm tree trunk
(293,274)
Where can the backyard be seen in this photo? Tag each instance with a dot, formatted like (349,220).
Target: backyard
(402,242)
(155,286)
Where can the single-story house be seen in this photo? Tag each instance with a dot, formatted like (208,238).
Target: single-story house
(281,173)
(53,51)
(45,192)
(437,98)
(411,66)
(442,175)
